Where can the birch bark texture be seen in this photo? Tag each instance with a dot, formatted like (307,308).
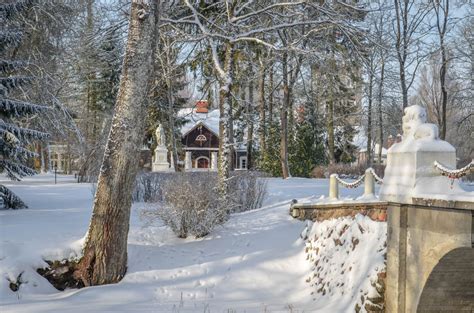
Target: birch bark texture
(104,258)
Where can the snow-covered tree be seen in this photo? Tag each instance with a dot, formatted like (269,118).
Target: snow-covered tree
(15,140)
(104,258)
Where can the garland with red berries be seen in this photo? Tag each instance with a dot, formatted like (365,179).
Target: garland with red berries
(456,173)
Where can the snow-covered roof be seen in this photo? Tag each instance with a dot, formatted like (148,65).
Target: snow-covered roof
(192,119)
(210,120)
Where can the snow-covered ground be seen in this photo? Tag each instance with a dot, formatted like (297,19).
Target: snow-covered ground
(256,262)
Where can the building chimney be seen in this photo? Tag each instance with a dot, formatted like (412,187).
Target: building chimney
(202,106)
(399,138)
(390,141)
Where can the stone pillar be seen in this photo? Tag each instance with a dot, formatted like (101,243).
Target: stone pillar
(160,164)
(418,237)
(333,187)
(188,163)
(60,161)
(214,161)
(422,227)
(369,183)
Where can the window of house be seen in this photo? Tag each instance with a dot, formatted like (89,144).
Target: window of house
(243,162)
(201,138)
(202,162)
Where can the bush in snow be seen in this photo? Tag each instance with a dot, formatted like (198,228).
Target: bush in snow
(191,205)
(189,202)
(248,188)
(14,140)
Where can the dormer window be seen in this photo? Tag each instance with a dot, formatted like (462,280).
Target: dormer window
(201,138)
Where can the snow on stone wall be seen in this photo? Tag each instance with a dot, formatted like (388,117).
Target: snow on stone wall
(347,255)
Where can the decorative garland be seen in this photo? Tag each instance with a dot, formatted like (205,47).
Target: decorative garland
(376,177)
(456,173)
(355,184)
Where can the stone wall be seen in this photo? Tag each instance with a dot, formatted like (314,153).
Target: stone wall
(418,237)
(377,211)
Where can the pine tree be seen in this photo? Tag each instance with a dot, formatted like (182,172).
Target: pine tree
(270,160)
(307,147)
(14,140)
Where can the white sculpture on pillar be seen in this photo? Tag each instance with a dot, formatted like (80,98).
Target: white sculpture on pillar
(160,162)
(410,171)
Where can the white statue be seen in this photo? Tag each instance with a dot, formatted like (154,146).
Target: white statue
(415,126)
(160,136)
(160,162)
(410,171)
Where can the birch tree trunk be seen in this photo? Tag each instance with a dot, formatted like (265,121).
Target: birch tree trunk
(225,129)
(104,258)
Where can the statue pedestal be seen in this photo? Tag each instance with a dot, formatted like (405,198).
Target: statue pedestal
(410,170)
(160,162)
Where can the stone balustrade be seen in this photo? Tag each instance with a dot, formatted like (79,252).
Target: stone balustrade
(369,179)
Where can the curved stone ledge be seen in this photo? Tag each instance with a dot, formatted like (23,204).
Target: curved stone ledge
(320,212)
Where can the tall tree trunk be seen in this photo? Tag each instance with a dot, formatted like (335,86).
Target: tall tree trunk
(270,97)
(401,44)
(369,115)
(104,258)
(261,110)
(442,24)
(330,112)
(444,91)
(250,125)
(403,85)
(171,122)
(330,130)
(225,110)
(379,110)
(284,119)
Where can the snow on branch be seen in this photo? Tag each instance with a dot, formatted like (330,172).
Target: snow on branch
(9,38)
(20,108)
(13,82)
(268,8)
(10,200)
(23,133)
(8,10)
(7,66)
(15,170)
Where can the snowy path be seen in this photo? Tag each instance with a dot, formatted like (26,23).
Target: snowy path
(255,262)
